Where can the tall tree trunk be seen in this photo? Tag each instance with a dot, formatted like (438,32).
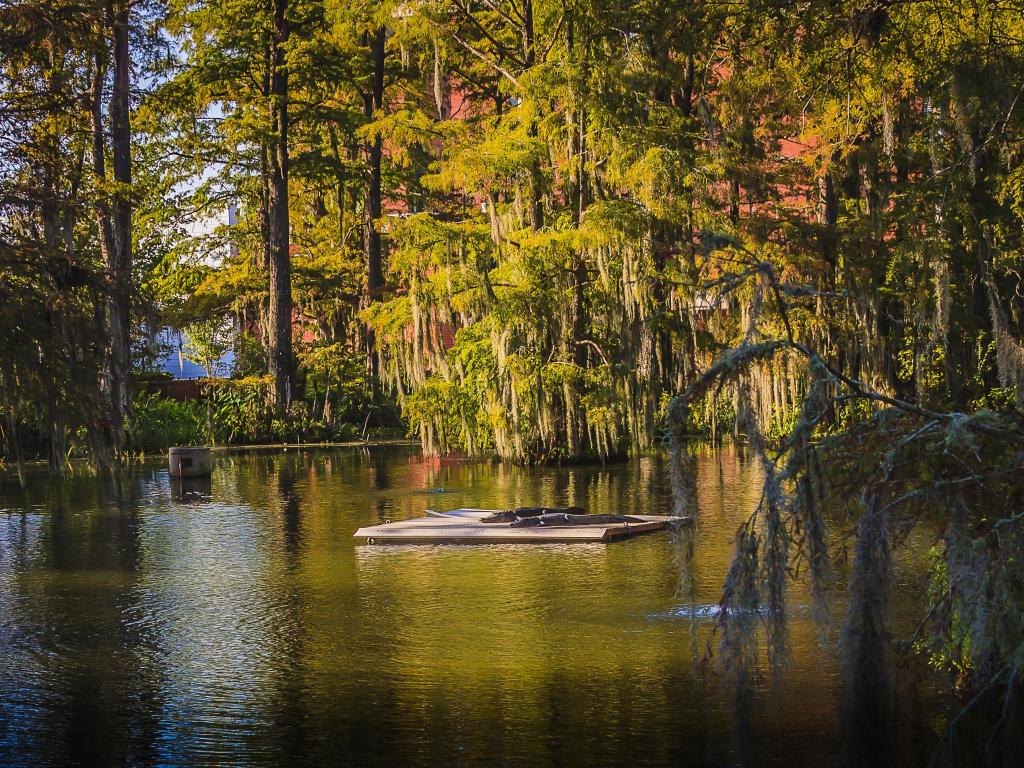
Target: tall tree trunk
(828,214)
(371,242)
(535,183)
(279,345)
(113,220)
(99,163)
(578,197)
(265,255)
(339,179)
(686,93)
(120,257)
(374,261)
(579,200)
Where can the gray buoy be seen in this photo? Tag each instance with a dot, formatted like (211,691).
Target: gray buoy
(189,462)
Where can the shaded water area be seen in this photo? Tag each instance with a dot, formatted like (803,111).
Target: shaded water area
(238,623)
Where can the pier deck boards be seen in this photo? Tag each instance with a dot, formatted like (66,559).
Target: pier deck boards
(463,526)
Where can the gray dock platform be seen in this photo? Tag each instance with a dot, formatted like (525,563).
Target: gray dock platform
(463,526)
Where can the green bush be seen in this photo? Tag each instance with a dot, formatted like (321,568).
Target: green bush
(238,411)
(160,422)
(234,411)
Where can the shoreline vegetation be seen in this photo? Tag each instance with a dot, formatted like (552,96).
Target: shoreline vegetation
(555,231)
(250,447)
(694,442)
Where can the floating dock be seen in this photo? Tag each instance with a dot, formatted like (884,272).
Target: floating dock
(464,526)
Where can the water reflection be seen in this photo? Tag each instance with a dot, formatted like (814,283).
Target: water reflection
(238,623)
(191,490)
(290,505)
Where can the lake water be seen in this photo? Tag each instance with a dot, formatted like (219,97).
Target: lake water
(239,624)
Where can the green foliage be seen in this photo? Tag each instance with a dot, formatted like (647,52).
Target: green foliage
(951,653)
(160,422)
(238,412)
(338,375)
(206,342)
(250,356)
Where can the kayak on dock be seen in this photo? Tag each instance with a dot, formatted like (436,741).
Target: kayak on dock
(524,525)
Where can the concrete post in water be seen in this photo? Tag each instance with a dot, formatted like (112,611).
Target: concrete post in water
(189,462)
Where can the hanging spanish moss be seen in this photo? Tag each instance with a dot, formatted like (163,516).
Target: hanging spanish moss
(520,379)
(1009,352)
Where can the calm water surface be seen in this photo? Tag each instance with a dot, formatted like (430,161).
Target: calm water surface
(239,623)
